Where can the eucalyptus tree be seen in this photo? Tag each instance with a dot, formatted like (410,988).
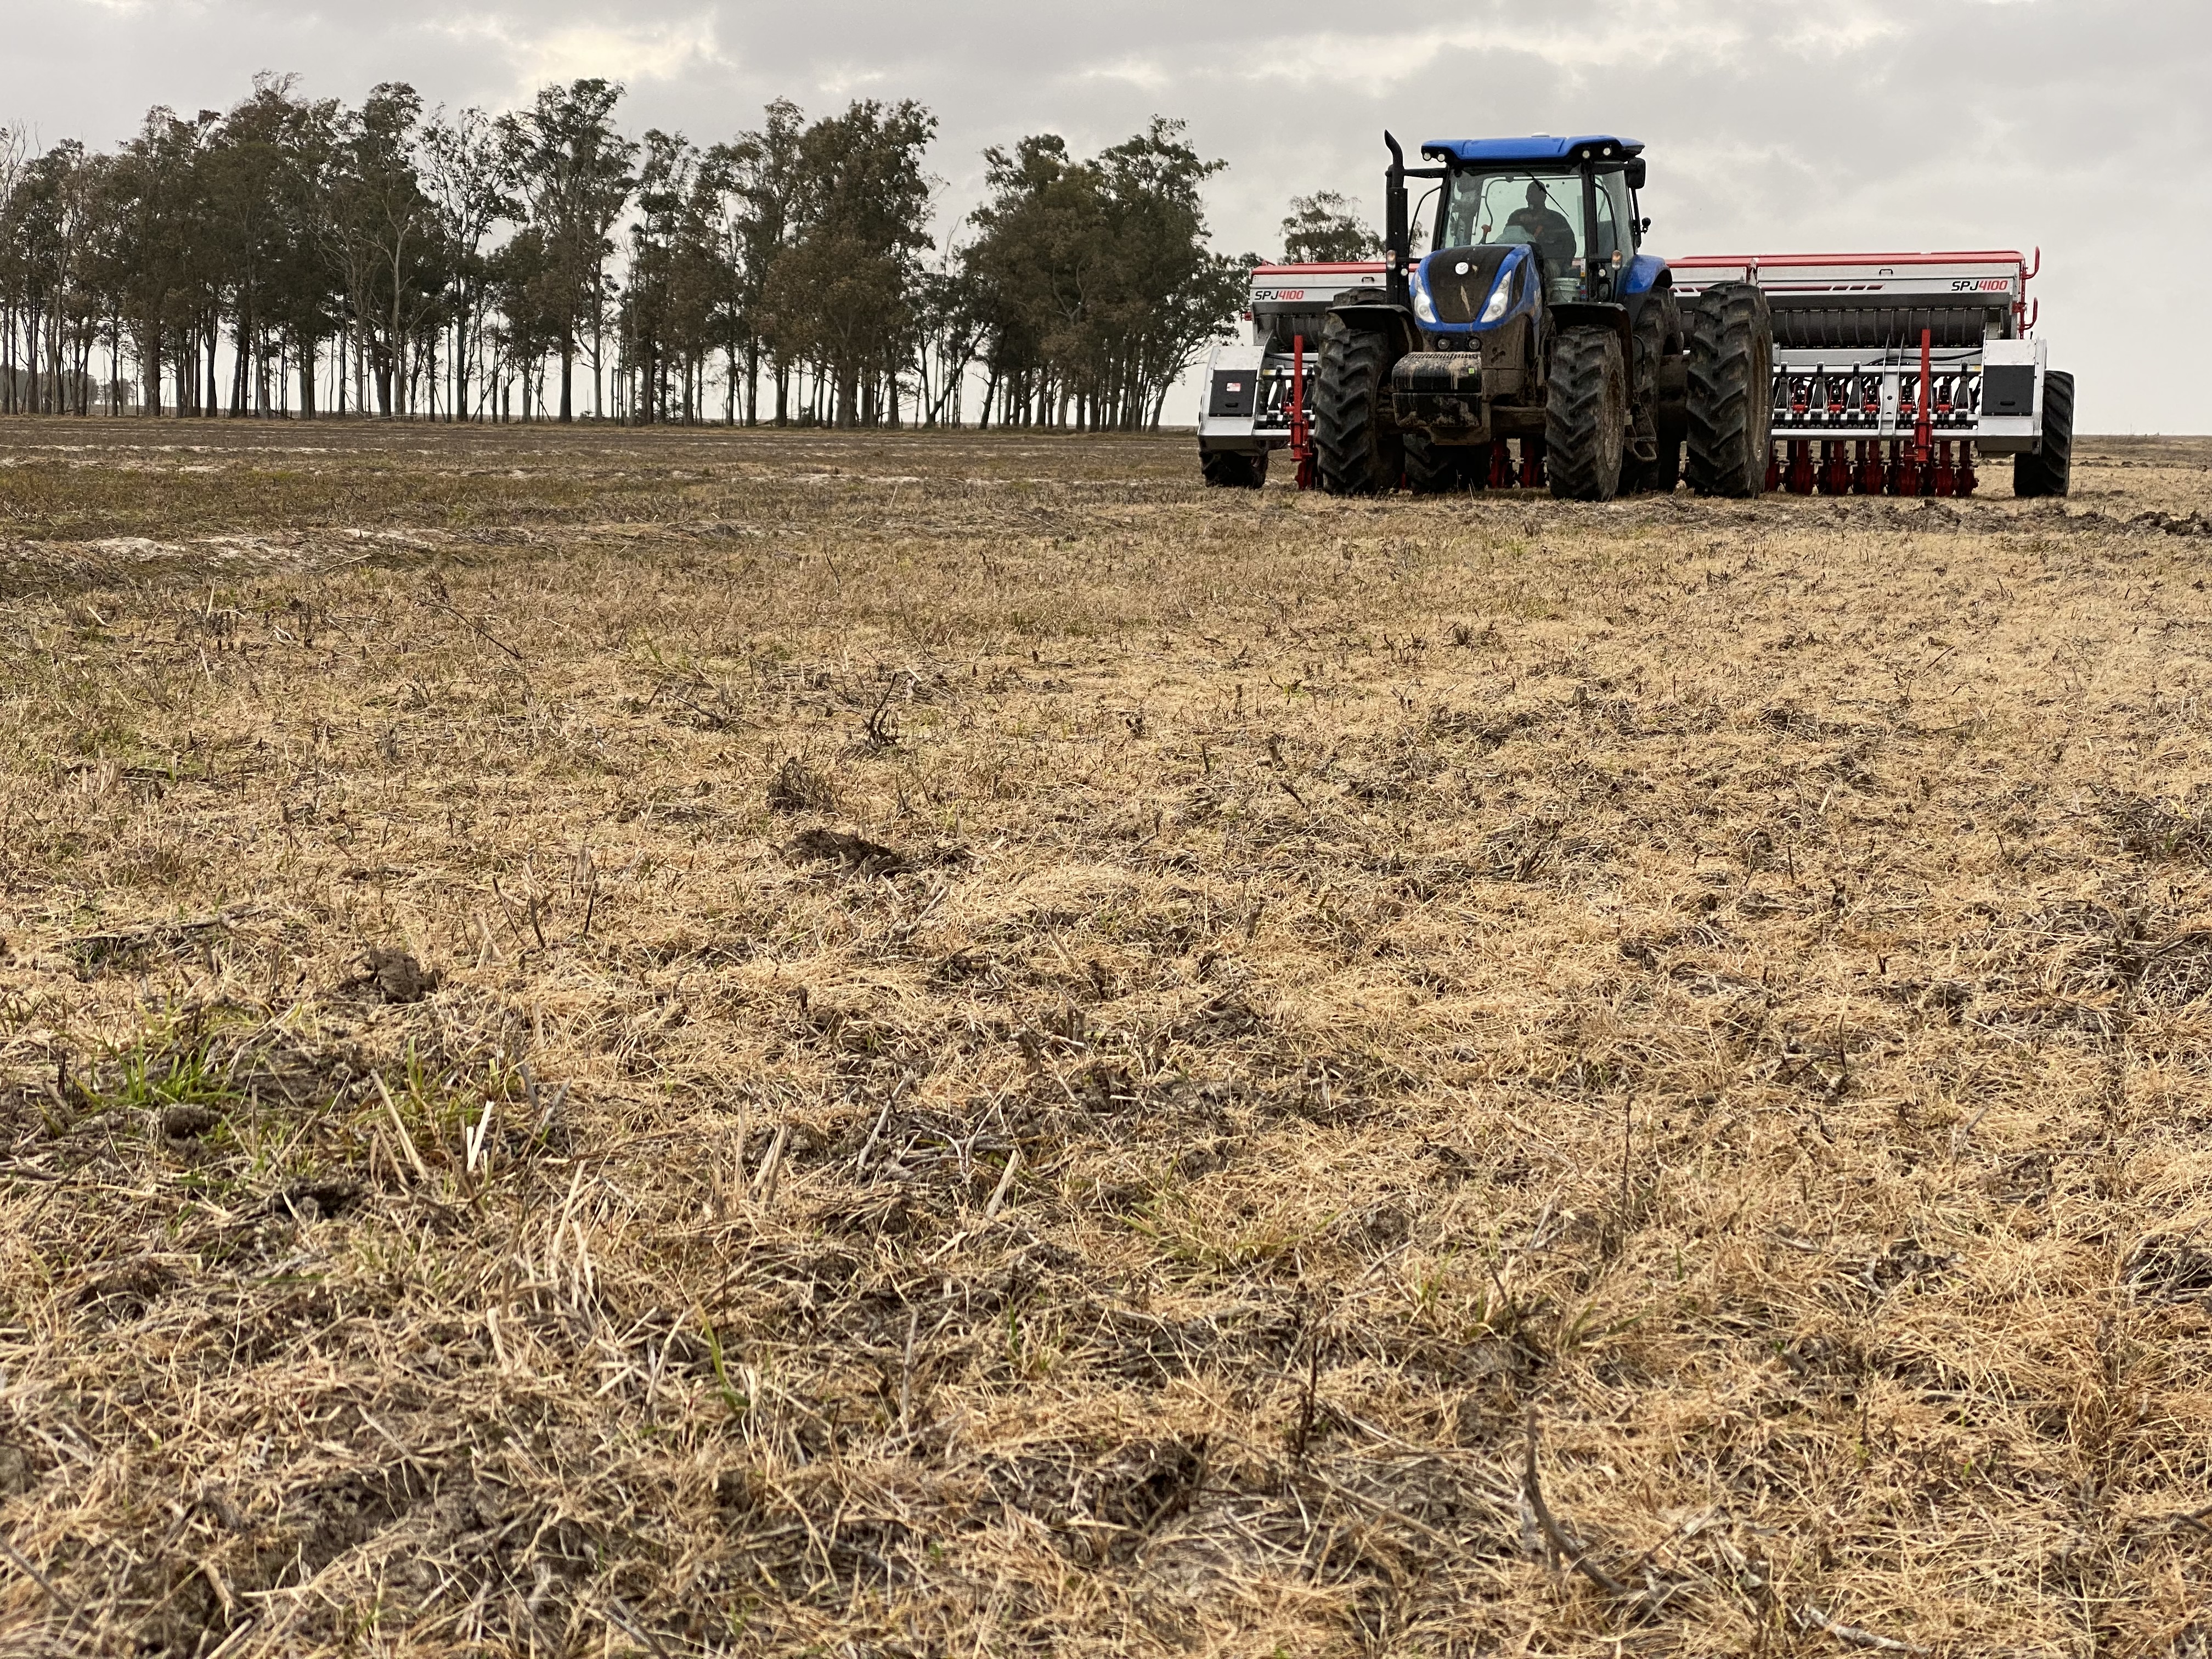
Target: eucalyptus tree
(15,150)
(574,170)
(464,170)
(75,199)
(47,229)
(1171,293)
(158,247)
(386,244)
(949,337)
(302,301)
(529,299)
(841,294)
(682,301)
(764,173)
(650,328)
(267,169)
(1323,228)
(1094,279)
(1011,268)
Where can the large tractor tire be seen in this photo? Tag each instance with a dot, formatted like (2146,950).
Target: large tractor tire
(1435,469)
(1360,451)
(1731,391)
(1233,469)
(1586,416)
(2049,470)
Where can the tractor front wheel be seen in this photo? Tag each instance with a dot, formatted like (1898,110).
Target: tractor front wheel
(1360,453)
(2049,470)
(1586,415)
(1731,391)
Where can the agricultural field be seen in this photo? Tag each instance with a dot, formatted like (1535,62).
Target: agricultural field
(669,1042)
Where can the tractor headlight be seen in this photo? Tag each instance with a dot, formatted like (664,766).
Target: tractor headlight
(1424,307)
(1500,297)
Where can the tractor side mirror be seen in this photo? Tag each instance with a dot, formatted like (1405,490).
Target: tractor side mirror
(1634,171)
(1421,210)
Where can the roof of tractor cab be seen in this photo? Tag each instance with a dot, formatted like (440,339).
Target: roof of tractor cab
(1540,147)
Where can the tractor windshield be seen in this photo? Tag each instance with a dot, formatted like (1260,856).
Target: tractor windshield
(1538,204)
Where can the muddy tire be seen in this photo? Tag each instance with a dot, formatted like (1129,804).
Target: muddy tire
(1731,389)
(2049,470)
(1360,453)
(1231,469)
(1586,416)
(1435,469)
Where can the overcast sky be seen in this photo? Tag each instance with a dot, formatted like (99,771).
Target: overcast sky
(2079,126)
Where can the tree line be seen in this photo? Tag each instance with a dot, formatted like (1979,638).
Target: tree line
(300,256)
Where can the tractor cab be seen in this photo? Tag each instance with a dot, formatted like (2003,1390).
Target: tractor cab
(1526,223)
(1571,201)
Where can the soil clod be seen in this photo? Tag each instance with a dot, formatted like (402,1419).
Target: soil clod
(392,976)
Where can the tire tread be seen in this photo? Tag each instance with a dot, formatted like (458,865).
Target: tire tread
(1585,415)
(1730,416)
(2050,470)
(1357,456)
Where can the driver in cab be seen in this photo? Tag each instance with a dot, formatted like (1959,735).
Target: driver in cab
(1546,227)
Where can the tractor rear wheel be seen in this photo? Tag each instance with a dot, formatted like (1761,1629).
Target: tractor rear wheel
(1586,416)
(1233,469)
(1731,391)
(2049,470)
(1435,469)
(1359,453)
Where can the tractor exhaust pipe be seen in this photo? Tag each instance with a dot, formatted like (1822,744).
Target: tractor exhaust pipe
(1397,236)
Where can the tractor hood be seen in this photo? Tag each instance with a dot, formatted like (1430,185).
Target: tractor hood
(1453,287)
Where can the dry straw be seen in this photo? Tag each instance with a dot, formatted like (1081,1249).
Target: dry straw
(673,1043)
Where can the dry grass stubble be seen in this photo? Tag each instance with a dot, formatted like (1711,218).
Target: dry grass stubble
(985,1051)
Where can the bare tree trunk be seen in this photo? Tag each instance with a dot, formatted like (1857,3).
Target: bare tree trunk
(568,370)
(59,393)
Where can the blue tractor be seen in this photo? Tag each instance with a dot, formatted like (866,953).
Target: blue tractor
(1537,316)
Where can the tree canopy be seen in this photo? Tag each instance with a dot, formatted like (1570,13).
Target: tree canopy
(292,254)
(1323,229)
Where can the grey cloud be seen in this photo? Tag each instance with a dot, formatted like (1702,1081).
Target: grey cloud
(2078,127)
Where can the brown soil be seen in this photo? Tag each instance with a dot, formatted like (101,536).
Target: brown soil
(669,1042)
